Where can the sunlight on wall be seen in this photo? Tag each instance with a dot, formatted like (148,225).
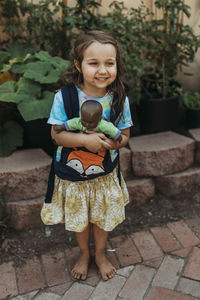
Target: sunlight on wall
(191,83)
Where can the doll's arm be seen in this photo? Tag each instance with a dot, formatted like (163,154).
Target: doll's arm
(59,128)
(74,124)
(70,125)
(108,128)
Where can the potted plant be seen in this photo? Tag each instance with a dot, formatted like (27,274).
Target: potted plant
(26,100)
(170,44)
(191,103)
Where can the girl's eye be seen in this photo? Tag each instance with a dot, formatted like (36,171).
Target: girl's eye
(110,63)
(93,63)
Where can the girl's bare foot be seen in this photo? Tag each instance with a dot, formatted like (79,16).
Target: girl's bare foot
(107,270)
(80,269)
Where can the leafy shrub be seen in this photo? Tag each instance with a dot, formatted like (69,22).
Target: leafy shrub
(36,76)
(191,100)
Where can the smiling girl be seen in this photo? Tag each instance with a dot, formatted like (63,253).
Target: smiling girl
(98,199)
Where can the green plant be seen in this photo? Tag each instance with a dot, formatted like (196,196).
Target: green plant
(127,27)
(36,76)
(191,100)
(46,24)
(170,44)
(31,23)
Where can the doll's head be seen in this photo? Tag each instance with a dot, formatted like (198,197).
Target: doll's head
(91,114)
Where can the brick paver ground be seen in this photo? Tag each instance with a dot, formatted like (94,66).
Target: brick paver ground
(162,263)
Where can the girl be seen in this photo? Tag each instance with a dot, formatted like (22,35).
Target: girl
(98,198)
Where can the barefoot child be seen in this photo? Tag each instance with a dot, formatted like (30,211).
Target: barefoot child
(88,190)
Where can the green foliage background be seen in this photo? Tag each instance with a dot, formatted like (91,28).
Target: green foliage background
(36,49)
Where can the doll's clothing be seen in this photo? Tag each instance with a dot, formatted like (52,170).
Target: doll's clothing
(103,126)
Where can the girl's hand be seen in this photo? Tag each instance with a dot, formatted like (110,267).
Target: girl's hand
(113,145)
(95,142)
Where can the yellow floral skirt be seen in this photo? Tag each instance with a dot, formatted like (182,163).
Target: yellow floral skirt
(100,201)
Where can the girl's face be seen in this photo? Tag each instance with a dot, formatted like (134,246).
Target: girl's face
(99,68)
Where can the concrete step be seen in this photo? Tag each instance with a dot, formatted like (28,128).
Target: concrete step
(140,190)
(161,153)
(125,162)
(24,175)
(181,183)
(24,214)
(195,134)
(155,162)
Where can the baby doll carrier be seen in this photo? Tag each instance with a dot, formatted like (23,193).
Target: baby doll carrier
(79,164)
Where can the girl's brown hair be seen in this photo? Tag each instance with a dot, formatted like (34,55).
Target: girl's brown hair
(82,42)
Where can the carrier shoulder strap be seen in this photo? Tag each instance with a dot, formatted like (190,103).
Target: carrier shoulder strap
(70,100)
(114,113)
(71,104)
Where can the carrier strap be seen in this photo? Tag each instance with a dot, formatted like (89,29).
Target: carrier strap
(70,100)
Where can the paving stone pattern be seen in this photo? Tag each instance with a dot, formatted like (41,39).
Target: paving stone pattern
(160,264)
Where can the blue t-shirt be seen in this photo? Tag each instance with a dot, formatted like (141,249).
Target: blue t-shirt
(58,115)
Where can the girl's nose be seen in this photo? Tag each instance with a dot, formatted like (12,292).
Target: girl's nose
(102,69)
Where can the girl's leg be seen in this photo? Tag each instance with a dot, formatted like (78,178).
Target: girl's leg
(81,267)
(106,269)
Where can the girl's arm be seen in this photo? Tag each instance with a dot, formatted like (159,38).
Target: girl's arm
(94,142)
(125,134)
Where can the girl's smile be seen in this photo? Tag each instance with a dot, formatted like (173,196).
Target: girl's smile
(99,68)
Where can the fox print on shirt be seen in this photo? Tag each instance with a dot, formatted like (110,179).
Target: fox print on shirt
(86,163)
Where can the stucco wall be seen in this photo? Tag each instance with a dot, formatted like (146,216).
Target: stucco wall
(192,83)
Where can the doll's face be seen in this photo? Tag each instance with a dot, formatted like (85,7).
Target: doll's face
(91,113)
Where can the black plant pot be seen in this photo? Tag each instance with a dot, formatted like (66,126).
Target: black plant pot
(193,118)
(156,115)
(37,134)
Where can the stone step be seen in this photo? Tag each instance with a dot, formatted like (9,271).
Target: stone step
(125,162)
(186,182)
(195,134)
(161,153)
(24,175)
(24,214)
(140,190)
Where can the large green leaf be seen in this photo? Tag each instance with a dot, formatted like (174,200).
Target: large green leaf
(43,56)
(17,68)
(37,108)
(11,136)
(3,57)
(42,72)
(8,92)
(56,61)
(27,90)
(18,50)
(60,63)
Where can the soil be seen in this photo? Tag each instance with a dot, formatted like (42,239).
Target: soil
(19,246)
